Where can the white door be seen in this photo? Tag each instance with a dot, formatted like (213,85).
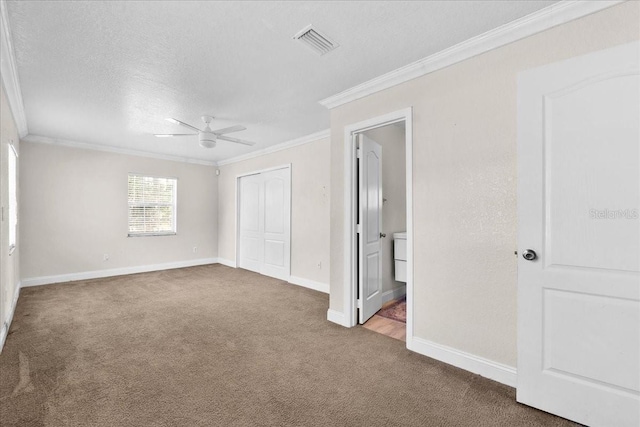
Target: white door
(578,208)
(251,214)
(265,223)
(277,217)
(370,226)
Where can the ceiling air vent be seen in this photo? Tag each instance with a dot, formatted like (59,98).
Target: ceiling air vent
(314,39)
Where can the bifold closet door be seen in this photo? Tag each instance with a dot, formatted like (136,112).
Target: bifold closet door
(265,223)
(251,234)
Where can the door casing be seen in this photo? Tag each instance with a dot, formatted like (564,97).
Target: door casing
(350,284)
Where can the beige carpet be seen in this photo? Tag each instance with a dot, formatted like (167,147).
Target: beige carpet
(215,346)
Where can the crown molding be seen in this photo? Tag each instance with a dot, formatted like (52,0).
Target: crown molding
(278,147)
(109,149)
(9,72)
(544,19)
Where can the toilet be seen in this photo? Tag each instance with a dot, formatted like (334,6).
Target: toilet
(400,256)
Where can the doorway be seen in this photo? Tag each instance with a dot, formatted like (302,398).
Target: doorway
(371,267)
(264,222)
(387,314)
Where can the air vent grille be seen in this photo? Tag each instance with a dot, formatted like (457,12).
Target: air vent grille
(315,40)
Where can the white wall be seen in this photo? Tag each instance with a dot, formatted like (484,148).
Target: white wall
(464,149)
(394,189)
(73,210)
(9,264)
(309,206)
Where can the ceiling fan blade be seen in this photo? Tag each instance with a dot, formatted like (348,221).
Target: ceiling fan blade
(167,135)
(236,128)
(178,122)
(236,140)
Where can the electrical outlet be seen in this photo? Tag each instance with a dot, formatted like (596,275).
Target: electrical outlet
(195,249)
(105,257)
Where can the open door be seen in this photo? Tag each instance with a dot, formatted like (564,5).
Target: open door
(579,238)
(369,226)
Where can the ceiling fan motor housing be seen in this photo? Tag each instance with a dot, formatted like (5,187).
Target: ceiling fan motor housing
(207,139)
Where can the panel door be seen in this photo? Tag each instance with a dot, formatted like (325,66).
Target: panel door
(251,208)
(370,225)
(265,223)
(579,203)
(277,219)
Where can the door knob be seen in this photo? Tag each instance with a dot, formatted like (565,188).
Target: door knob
(382,235)
(529,255)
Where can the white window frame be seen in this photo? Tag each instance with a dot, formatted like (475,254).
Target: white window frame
(13,197)
(174,204)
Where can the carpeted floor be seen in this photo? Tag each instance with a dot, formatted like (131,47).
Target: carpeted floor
(216,346)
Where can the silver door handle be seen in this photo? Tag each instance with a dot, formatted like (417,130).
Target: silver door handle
(529,255)
(382,235)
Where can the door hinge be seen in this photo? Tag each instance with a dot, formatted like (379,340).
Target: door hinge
(359,304)
(358,152)
(359,228)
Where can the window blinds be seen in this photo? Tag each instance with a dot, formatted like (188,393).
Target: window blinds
(152,205)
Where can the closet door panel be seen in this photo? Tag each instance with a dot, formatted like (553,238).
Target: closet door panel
(265,223)
(251,235)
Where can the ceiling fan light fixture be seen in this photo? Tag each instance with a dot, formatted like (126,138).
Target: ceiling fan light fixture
(207,139)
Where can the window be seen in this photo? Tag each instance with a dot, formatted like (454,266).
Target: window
(152,205)
(13,198)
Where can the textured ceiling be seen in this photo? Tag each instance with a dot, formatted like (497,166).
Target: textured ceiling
(110,72)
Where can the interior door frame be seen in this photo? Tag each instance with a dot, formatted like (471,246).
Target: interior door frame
(350,284)
(237,204)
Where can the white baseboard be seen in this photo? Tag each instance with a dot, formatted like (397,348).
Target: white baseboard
(394,294)
(47,280)
(337,317)
(311,284)
(227,262)
(478,365)
(6,324)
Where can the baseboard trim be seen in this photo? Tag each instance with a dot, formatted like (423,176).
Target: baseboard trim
(337,317)
(97,274)
(4,331)
(227,262)
(478,365)
(311,284)
(394,294)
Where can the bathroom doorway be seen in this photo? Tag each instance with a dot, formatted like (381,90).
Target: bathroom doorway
(379,223)
(391,317)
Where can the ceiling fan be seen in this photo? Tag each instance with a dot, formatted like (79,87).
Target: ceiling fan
(207,137)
